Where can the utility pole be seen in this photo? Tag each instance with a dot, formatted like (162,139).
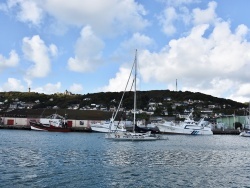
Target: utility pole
(176,85)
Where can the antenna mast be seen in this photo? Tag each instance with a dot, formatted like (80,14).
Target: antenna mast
(176,84)
(135,88)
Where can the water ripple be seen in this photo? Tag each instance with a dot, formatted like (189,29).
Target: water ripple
(35,159)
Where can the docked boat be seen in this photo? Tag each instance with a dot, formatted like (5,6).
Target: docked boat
(147,128)
(245,133)
(187,127)
(126,135)
(132,136)
(52,123)
(107,126)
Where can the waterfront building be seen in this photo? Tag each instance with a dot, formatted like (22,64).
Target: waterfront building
(229,121)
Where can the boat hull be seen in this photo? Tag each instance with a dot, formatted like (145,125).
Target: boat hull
(153,130)
(100,129)
(185,131)
(132,136)
(106,128)
(245,134)
(41,127)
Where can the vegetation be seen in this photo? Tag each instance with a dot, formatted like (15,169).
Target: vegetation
(238,125)
(167,99)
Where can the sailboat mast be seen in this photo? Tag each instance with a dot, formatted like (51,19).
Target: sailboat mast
(135,89)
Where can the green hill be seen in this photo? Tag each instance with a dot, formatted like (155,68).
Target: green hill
(107,100)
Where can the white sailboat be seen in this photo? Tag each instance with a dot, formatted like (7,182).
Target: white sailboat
(107,126)
(132,136)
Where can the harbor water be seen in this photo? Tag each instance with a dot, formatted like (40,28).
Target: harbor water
(49,159)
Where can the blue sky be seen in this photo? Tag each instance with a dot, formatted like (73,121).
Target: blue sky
(89,46)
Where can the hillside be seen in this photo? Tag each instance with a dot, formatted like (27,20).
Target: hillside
(166,98)
(70,114)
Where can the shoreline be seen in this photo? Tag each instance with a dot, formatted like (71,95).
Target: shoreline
(27,127)
(86,129)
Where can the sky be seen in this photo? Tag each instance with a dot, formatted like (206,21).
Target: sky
(84,46)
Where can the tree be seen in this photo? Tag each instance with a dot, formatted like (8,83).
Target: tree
(158,111)
(143,116)
(170,110)
(237,125)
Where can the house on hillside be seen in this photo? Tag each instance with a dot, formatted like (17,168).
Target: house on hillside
(167,99)
(86,99)
(199,106)
(182,116)
(13,106)
(206,112)
(212,106)
(28,105)
(112,108)
(55,107)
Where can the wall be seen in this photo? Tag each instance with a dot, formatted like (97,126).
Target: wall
(25,121)
(230,120)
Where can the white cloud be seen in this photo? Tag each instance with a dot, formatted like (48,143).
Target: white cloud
(242,92)
(205,16)
(167,20)
(109,16)
(211,58)
(76,88)
(137,41)
(229,52)
(3,7)
(202,63)
(12,61)
(13,84)
(36,51)
(53,50)
(119,82)
(88,52)
(179,2)
(48,88)
(176,12)
(28,10)
(28,81)
(185,15)
(241,32)
(216,87)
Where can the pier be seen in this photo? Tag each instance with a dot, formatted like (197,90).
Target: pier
(88,129)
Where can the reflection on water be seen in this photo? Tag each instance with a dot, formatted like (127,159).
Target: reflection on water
(42,159)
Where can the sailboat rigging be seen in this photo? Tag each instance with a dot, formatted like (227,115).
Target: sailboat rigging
(133,136)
